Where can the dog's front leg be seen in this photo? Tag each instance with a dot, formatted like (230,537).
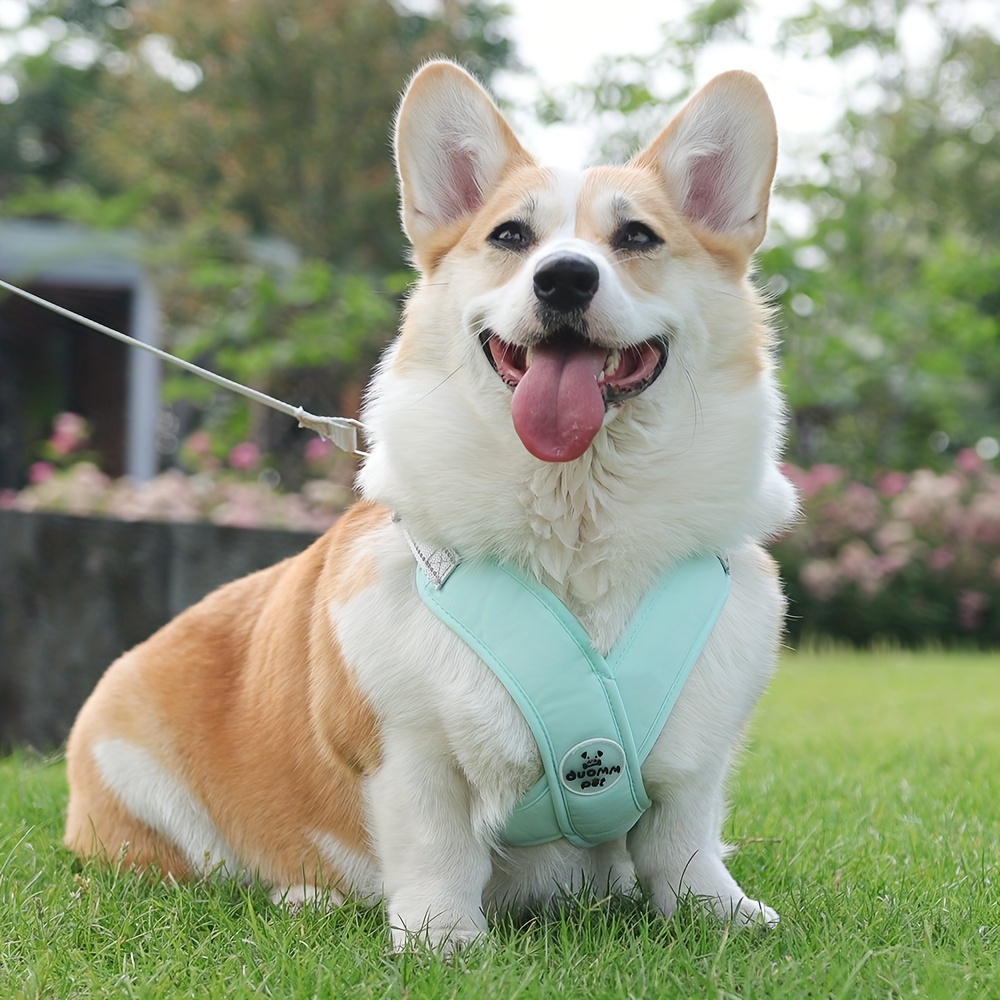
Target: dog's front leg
(434,868)
(677,853)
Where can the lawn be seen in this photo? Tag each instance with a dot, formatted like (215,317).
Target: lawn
(866,811)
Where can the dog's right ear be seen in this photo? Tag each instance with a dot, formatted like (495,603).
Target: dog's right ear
(452,146)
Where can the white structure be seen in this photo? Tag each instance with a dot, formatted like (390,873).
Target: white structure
(58,253)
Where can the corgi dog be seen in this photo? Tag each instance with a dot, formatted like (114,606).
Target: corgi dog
(583,388)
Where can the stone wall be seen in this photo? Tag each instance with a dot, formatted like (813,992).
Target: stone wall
(76,592)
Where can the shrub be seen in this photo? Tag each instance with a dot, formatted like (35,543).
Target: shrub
(913,558)
(240,489)
(175,496)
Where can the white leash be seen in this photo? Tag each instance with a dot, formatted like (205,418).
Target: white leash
(340,431)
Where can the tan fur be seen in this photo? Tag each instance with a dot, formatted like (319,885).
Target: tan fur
(432,251)
(639,188)
(236,695)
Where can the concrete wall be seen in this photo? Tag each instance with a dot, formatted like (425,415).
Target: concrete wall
(76,592)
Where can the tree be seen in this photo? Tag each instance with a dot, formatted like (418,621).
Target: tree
(893,315)
(273,117)
(275,114)
(51,65)
(218,127)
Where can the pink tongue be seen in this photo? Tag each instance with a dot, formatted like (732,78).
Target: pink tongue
(558,406)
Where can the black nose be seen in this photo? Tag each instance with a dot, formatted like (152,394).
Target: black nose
(566,282)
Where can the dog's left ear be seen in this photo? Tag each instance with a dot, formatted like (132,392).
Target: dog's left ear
(717,158)
(452,147)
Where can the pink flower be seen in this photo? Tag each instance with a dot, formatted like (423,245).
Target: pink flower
(892,562)
(941,559)
(200,443)
(859,507)
(69,431)
(859,564)
(893,534)
(41,472)
(318,449)
(793,473)
(822,578)
(7,499)
(819,477)
(968,461)
(892,484)
(244,456)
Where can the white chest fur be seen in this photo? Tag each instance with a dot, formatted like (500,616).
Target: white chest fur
(442,711)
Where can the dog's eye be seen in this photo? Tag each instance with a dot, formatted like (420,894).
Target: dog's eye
(635,236)
(511,235)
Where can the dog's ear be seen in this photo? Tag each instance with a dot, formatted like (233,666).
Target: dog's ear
(717,158)
(452,146)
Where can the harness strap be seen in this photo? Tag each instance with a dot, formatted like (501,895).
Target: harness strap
(595,719)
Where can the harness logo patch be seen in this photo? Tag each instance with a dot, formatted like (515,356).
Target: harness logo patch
(592,767)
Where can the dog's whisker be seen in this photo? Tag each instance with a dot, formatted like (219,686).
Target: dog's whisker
(733,295)
(507,346)
(430,392)
(699,413)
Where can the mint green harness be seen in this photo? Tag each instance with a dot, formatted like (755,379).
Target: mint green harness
(595,718)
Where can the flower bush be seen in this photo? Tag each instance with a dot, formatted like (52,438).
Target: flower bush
(176,496)
(912,558)
(240,491)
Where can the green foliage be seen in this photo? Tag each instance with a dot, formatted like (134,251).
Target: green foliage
(889,302)
(75,201)
(270,329)
(249,142)
(883,372)
(271,118)
(303,330)
(892,316)
(866,813)
(60,74)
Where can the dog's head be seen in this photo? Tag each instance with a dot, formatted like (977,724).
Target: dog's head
(579,320)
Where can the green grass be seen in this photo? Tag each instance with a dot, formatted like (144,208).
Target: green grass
(866,811)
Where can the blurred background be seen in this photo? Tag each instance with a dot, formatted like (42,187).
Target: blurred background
(215,177)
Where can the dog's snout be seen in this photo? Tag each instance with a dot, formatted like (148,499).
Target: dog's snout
(566,282)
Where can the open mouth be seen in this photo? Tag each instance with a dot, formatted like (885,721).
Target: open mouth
(625,371)
(564,385)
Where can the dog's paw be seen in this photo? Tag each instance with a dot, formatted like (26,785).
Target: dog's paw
(437,937)
(749,913)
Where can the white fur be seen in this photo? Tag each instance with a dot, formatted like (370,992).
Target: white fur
(151,792)
(687,467)
(357,869)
